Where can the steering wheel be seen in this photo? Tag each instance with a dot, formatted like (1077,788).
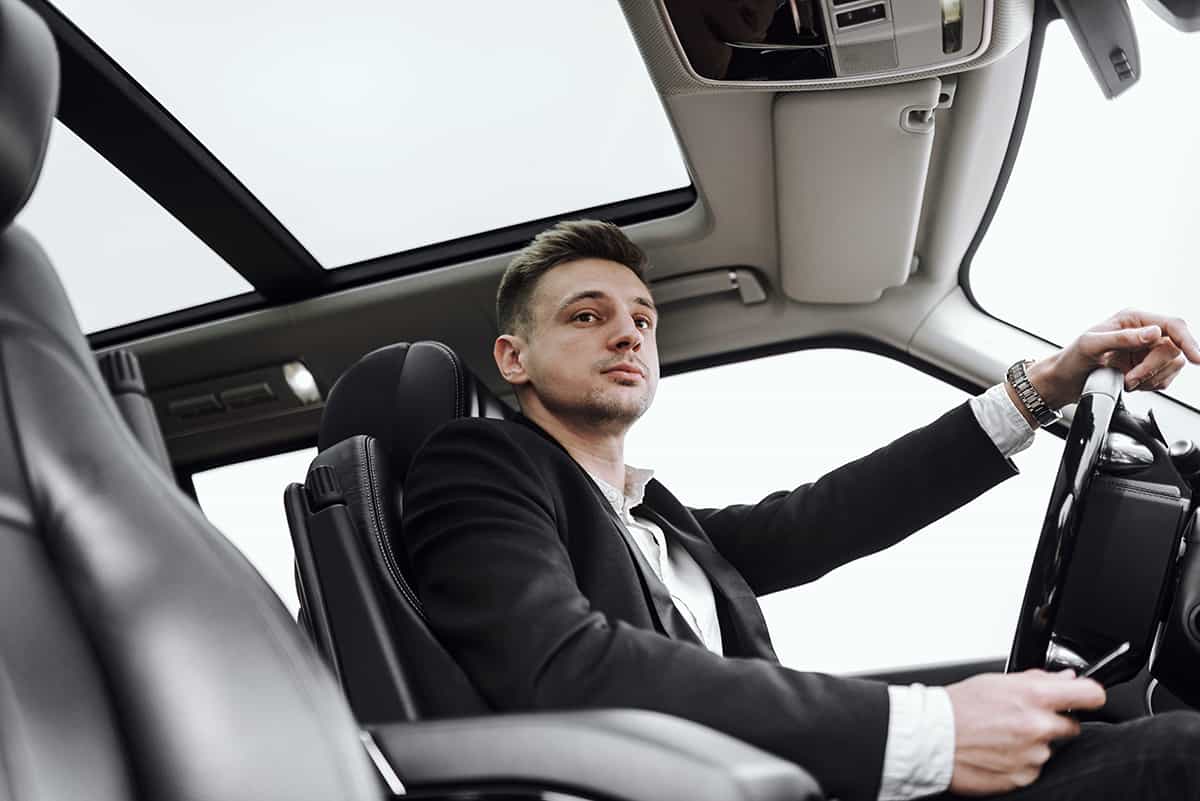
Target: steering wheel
(1043,592)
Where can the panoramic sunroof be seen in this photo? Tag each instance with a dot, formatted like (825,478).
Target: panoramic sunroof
(386,126)
(120,255)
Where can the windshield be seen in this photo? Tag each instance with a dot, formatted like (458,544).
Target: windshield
(1102,208)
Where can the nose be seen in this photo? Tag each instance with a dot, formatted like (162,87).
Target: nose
(627,337)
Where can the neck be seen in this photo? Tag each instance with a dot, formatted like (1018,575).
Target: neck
(600,450)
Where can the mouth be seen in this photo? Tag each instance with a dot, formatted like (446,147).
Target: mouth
(625,371)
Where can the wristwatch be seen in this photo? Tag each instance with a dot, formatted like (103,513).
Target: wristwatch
(1030,397)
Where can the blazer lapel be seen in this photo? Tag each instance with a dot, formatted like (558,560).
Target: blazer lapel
(658,597)
(743,628)
(669,617)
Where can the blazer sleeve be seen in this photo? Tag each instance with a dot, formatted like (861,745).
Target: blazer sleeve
(791,538)
(498,586)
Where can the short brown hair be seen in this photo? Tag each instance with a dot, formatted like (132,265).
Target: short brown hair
(569,240)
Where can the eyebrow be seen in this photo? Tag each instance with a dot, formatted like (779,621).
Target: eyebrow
(595,294)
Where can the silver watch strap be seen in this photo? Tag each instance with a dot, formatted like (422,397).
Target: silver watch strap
(1030,397)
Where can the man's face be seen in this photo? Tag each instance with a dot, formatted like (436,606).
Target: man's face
(591,353)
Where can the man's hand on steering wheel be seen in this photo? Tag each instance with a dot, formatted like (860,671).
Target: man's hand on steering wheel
(1150,349)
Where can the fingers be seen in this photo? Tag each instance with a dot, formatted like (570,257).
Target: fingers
(1163,378)
(1061,728)
(1060,692)
(1179,333)
(1151,366)
(1173,328)
(1095,344)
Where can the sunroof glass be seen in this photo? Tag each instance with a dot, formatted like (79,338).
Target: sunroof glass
(120,256)
(387,126)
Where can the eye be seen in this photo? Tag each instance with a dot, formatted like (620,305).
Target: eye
(584,317)
(644,323)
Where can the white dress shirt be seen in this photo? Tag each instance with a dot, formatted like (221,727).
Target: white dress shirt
(674,566)
(918,758)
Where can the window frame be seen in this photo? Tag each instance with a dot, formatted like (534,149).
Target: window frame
(1044,14)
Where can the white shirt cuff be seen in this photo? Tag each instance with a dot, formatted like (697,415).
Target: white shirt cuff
(919,757)
(1002,421)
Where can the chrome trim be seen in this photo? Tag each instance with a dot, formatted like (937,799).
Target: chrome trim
(1060,656)
(1122,449)
(381,764)
(1151,686)
(764,47)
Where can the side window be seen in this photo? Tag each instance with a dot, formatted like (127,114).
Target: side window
(950,592)
(245,501)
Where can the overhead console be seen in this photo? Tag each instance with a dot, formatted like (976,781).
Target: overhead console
(820,40)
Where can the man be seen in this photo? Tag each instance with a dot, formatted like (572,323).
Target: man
(560,577)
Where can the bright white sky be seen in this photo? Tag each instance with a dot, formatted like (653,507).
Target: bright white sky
(1099,214)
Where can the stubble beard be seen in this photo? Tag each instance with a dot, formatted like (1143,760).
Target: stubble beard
(600,410)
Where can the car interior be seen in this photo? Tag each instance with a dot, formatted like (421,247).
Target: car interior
(830,172)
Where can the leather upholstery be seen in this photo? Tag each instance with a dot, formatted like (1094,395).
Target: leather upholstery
(399,394)
(28,97)
(378,634)
(140,654)
(376,417)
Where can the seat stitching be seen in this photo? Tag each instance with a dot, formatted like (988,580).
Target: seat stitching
(459,411)
(385,548)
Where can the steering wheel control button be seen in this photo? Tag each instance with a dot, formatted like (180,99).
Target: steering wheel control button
(1186,457)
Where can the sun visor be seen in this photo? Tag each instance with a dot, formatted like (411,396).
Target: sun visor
(851,168)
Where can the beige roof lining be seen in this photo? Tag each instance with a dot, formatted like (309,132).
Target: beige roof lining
(1011,22)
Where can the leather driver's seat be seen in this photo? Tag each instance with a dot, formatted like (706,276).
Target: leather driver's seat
(351,565)
(142,657)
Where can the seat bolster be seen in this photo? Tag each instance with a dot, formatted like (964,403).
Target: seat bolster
(372,499)
(29,75)
(441,687)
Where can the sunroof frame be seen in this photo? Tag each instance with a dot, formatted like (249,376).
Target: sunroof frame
(103,105)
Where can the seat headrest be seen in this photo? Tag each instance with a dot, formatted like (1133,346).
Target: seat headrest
(28,100)
(400,394)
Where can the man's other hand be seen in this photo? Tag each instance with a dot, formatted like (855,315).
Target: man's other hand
(1004,724)
(1150,349)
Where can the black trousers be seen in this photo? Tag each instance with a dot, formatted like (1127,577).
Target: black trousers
(1149,759)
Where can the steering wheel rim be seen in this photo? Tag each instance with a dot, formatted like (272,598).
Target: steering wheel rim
(1056,545)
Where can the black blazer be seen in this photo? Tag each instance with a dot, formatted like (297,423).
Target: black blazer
(530,581)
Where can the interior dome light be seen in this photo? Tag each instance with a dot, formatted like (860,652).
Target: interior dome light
(303,385)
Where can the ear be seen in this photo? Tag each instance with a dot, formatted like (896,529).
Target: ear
(507,352)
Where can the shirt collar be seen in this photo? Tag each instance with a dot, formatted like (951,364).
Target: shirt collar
(636,479)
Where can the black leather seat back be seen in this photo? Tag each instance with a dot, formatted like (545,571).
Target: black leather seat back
(372,629)
(399,394)
(140,654)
